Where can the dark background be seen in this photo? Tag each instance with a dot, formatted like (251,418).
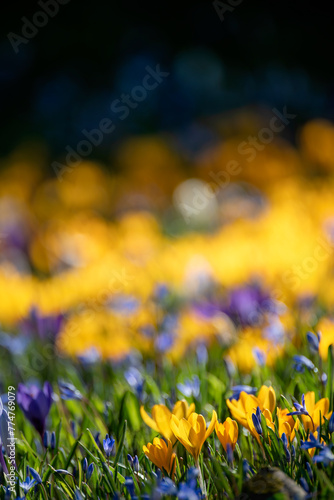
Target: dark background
(263,53)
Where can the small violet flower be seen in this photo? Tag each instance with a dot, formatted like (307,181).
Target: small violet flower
(325,456)
(108,444)
(190,387)
(300,409)
(237,389)
(68,392)
(313,341)
(302,362)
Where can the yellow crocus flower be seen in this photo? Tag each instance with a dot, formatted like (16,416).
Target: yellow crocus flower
(227,433)
(192,433)
(161,417)
(161,454)
(247,404)
(315,409)
(286,424)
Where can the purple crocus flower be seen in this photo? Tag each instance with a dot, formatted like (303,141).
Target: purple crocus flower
(35,404)
(247,304)
(42,326)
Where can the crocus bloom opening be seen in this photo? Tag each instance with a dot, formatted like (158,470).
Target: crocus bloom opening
(227,433)
(35,404)
(286,424)
(161,454)
(161,417)
(192,433)
(247,404)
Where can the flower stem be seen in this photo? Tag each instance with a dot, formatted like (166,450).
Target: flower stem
(200,478)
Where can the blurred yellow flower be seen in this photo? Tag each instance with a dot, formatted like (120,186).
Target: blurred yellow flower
(326,329)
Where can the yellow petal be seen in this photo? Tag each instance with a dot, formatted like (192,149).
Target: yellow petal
(267,398)
(191,410)
(309,401)
(212,425)
(162,416)
(148,420)
(180,409)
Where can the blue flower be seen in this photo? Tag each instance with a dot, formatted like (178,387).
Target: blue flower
(161,292)
(164,341)
(309,471)
(130,486)
(293,451)
(5,439)
(189,489)
(284,440)
(27,484)
(134,462)
(304,484)
(259,356)
(202,354)
(256,417)
(45,327)
(53,440)
(237,389)
(68,392)
(190,387)
(90,471)
(46,439)
(166,487)
(35,475)
(35,404)
(135,380)
(325,456)
(285,446)
(302,362)
(108,444)
(247,469)
(313,341)
(187,493)
(313,442)
(331,423)
(300,408)
(77,495)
